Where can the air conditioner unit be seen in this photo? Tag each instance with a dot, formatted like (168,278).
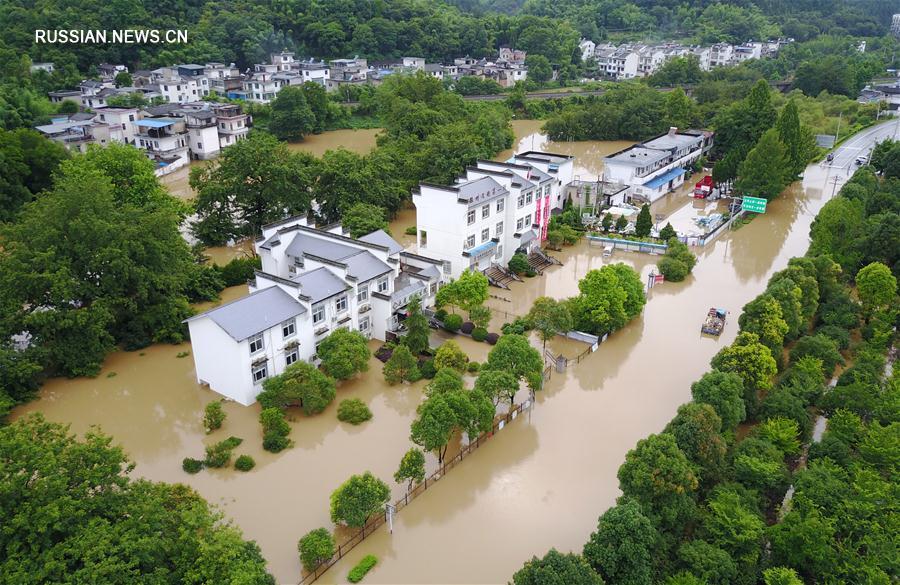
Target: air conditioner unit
(365,308)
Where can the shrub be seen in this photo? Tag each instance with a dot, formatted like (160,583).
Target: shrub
(674,270)
(213,416)
(275,443)
(479,334)
(353,411)
(239,270)
(480,316)
(219,455)
(531,272)
(401,366)
(473,367)
(191,465)
(364,566)
(518,327)
(492,338)
(450,355)
(440,314)
(275,429)
(452,323)
(316,547)
(301,384)
(819,346)
(468,327)
(244,463)
(518,264)
(344,353)
(837,334)
(410,231)
(427,369)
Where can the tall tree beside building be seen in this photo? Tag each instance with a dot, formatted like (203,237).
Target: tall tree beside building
(28,161)
(291,118)
(763,172)
(416,338)
(252,183)
(539,69)
(363,218)
(643,225)
(797,139)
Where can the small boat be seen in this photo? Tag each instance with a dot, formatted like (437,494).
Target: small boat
(715,322)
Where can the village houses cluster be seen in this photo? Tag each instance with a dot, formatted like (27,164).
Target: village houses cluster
(184,125)
(634,60)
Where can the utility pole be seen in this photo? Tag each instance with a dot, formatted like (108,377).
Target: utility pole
(834,181)
(837,135)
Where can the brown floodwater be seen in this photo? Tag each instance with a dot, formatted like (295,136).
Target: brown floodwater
(541,482)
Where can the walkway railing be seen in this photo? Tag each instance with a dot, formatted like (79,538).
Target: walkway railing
(382,517)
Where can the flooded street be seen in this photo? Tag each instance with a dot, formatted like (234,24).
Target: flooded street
(541,482)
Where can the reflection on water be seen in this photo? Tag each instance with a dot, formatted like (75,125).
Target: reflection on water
(541,482)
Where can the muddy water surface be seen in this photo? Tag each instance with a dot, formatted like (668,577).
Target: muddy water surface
(541,482)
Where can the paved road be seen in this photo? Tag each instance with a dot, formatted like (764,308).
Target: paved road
(861,144)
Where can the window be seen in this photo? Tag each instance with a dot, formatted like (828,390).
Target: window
(199,146)
(423,238)
(519,224)
(362,295)
(529,197)
(485,211)
(470,217)
(501,204)
(470,241)
(291,356)
(318,314)
(499,228)
(256,343)
(382,285)
(364,323)
(259,372)
(485,234)
(528,220)
(298,261)
(340,305)
(547,190)
(288,328)
(520,203)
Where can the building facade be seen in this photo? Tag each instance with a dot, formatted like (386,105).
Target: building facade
(313,282)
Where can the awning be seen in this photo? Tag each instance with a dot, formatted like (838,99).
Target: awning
(156,122)
(480,250)
(664,178)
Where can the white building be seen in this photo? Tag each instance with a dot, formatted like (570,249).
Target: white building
(495,210)
(46,66)
(414,63)
(314,72)
(587,46)
(895,25)
(121,123)
(165,140)
(313,282)
(657,166)
(721,55)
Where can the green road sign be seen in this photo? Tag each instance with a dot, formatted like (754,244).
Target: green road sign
(754,204)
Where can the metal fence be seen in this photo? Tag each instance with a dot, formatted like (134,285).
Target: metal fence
(382,517)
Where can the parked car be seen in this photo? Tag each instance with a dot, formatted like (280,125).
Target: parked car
(830,157)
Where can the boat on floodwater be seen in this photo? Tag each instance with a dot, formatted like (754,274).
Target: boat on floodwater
(715,322)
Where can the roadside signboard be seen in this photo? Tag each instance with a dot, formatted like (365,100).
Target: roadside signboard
(754,204)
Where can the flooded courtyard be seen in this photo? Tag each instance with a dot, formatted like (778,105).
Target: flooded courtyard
(541,482)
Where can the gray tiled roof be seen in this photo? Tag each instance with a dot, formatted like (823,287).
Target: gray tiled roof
(254,313)
(366,266)
(319,284)
(321,247)
(382,238)
(479,189)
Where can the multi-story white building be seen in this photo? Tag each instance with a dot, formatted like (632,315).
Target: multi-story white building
(312,282)
(314,72)
(225,80)
(165,140)
(495,210)
(721,55)
(657,166)
(121,123)
(895,25)
(746,52)
(414,63)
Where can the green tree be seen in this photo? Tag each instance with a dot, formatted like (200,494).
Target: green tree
(762,316)
(798,140)
(661,479)
(749,359)
(805,540)
(697,429)
(734,525)
(782,432)
(416,338)
(434,425)
(291,116)
(254,182)
(28,161)
(601,305)
(550,318)
(621,550)
(498,385)
(363,218)
(667,232)
(763,173)
(468,291)
(711,564)
(316,547)
(354,502)
(121,277)
(450,355)
(412,468)
(680,109)
(480,316)
(123,79)
(876,285)
(115,528)
(621,223)
(213,416)
(781,576)
(820,347)
(539,69)
(644,223)
(445,381)
(275,429)
(344,353)
(402,365)
(556,568)
(301,384)
(514,354)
